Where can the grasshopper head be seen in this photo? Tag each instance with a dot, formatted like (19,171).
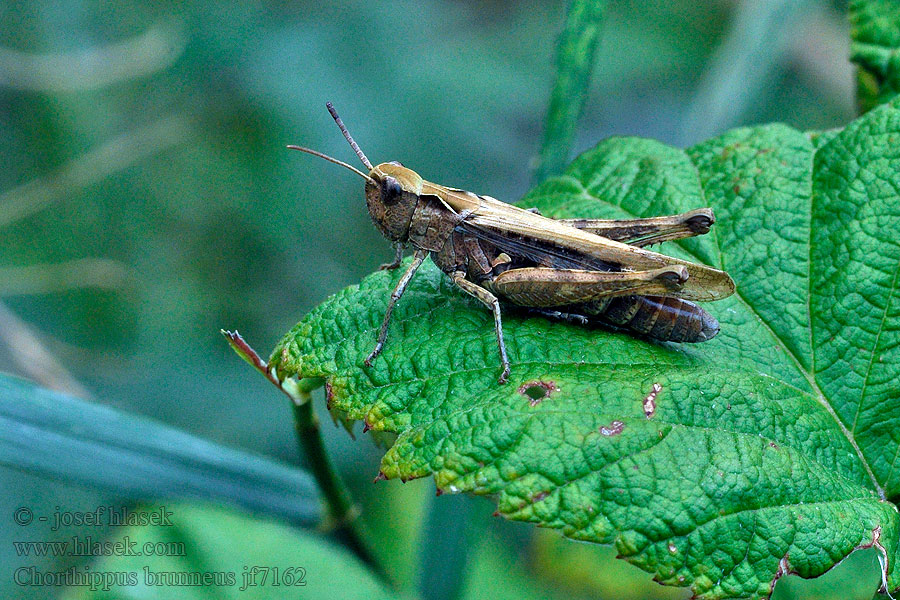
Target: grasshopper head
(392,193)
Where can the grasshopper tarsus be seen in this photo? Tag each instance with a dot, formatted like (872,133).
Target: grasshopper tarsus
(561,316)
(373,354)
(398,258)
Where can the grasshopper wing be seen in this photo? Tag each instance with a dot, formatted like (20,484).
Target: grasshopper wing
(523,233)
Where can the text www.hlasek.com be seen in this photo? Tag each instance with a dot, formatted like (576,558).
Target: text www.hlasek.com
(87,546)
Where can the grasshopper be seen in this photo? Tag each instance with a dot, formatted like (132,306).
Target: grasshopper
(581,270)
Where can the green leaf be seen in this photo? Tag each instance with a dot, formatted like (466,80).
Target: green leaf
(773,448)
(268,560)
(875,30)
(54,435)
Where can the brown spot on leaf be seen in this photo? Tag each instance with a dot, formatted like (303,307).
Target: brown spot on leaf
(539,496)
(380,477)
(784,568)
(614,428)
(650,401)
(773,445)
(537,391)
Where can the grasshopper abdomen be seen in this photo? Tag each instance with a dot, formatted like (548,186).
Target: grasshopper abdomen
(663,318)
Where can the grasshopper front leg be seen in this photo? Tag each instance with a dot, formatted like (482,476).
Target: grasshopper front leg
(398,258)
(418,257)
(489,300)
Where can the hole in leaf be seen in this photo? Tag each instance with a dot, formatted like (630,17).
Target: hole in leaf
(536,391)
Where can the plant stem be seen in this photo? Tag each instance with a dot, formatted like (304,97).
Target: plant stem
(341,510)
(574,63)
(448,539)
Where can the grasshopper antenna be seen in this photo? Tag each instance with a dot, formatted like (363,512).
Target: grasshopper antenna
(335,161)
(346,133)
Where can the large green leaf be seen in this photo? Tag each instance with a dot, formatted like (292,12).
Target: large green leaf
(773,448)
(875,50)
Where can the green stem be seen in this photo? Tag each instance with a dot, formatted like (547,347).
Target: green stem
(341,510)
(574,63)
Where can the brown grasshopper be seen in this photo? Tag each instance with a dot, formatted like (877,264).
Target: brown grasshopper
(577,269)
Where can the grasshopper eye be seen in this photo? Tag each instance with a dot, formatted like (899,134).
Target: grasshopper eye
(391,190)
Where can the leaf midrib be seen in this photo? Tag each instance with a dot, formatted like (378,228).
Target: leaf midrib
(810,377)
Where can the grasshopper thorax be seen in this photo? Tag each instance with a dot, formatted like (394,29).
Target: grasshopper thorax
(392,193)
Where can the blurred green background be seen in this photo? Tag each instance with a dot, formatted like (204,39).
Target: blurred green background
(147,200)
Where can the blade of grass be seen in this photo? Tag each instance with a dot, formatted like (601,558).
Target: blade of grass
(98,67)
(30,355)
(45,278)
(114,155)
(574,63)
(57,436)
(444,548)
(758,39)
